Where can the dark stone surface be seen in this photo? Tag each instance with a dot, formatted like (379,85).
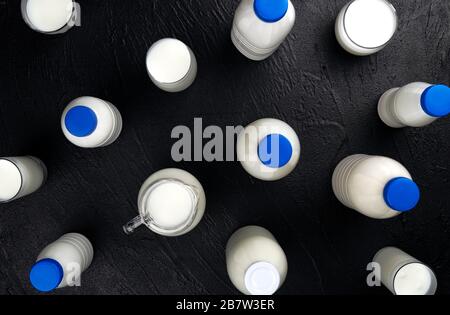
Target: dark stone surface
(328,96)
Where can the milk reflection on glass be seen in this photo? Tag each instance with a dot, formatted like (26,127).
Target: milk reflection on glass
(403,274)
(364,27)
(256,263)
(260,26)
(50,16)
(376,186)
(20,176)
(171,65)
(414,105)
(171,202)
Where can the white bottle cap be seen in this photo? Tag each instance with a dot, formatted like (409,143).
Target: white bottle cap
(370,23)
(415,279)
(10,180)
(49,15)
(168,60)
(262,278)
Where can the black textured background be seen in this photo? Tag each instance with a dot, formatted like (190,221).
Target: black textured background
(328,96)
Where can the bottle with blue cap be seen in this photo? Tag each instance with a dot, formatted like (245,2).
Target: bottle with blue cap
(414,105)
(90,122)
(268,149)
(256,263)
(376,186)
(61,263)
(260,26)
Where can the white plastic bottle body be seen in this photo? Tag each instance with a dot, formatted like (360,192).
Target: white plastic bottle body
(359,182)
(51,16)
(106,123)
(171,202)
(171,65)
(403,274)
(402,107)
(372,27)
(256,263)
(249,143)
(74,252)
(20,176)
(255,38)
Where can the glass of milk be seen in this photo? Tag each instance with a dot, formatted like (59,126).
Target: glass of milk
(403,274)
(51,16)
(364,27)
(20,176)
(171,65)
(171,203)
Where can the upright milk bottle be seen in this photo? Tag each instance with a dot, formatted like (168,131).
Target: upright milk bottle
(256,263)
(61,263)
(90,122)
(171,202)
(50,16)
(403,274)
(415,105)
(260,26)
(20,176)
(268,149)
(376,186)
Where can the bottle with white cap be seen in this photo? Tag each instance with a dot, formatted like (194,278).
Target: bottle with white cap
(256,263)
(260,26)
(20,176)
(171,202)
(90,122)
(415,105)
(364,27)
(403,274)
(268,149)
(61,263)
(376,186)
(51,16)
(171,65)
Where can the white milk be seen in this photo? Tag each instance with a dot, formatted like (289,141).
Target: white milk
(268,149)
(20,176)
(260,26)
(171,64)
(90,122)
(402,274)
(414,105)
(171,203)
(50,16)
(364,27)
(376,186)
(62,262)
(256,263)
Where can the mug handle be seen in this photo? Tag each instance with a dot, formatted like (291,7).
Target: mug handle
(133,225)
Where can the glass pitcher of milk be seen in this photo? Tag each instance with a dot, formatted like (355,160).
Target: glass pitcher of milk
(171,202)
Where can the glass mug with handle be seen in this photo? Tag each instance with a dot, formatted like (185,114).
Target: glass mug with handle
(171,202)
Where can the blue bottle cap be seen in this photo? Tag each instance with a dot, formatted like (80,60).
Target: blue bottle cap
(401,194)
(271,10)
(436,100)
(46,275)
(275,151)
(80,121)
